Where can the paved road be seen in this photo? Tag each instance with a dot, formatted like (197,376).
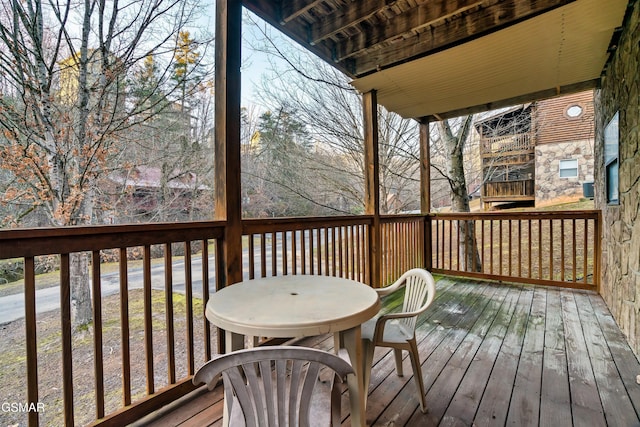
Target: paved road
(12,306)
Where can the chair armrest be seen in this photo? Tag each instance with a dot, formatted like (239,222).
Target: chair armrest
(378,333)
(387,290)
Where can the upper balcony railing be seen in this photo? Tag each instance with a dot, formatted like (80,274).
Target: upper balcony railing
(507,144)
(149,284)
(508,190)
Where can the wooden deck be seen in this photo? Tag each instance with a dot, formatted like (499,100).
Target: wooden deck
(493,355)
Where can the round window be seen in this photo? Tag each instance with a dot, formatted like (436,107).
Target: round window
(574,111)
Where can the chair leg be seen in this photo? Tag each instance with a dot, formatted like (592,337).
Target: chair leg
(417,373)
(397,353)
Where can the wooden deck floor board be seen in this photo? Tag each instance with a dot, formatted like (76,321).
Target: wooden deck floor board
(586,407)
(493,355)
(623,357)
(445,387)
(524,408)
(463,406)
(452,322)
(555,399)
(616,402)
(494,405)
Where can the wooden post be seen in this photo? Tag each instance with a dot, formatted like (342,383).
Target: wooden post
(228,205)
(425,189)
(372,186)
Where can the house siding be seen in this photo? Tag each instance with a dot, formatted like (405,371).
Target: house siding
(554,125)
(620,91)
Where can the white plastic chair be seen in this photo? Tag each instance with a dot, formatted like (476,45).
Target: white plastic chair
(397,329)
(276,386)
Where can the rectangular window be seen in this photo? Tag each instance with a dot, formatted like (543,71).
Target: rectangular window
(569,168)
(611,149)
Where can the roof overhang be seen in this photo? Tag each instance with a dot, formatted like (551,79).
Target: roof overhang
(444,58)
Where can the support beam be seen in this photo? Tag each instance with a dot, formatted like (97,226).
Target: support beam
(425,188)
(372,185)
(413,19)
(295,8)
(351,14)
(385,46)
(228,205)
(425,167)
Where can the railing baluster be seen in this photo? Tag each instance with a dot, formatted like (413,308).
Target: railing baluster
(357,258)
(333,251)
(574,250)
(168,304)
(294,253)
(97,333)
(65,324)
(319,245)
(451,246)
(519,248)
(263,255)
(539,249)
(252,256)
(148,320)
(530,238)
(352,252)
(285,257)
(303,255)
(340,252)
(562,251)
(585,267)
(311,251)
(457,246)
(500,248)
(326,251)
(205,297)
(124,328)
(510,255)
(551,240)
(274,253)
(31,338)
(491,246)
(188,290)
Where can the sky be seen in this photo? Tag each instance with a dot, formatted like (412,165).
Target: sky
(254,63)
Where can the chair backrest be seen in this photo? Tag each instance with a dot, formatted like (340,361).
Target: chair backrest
(274,386)
(420,289)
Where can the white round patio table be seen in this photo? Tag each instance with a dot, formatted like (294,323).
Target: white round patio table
(300,306)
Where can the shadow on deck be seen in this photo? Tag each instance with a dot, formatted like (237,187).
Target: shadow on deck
(492,355)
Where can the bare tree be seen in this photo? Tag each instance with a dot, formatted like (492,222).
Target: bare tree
(64,114)
(331,110)
(453,135)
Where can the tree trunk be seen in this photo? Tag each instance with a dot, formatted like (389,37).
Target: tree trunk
(467,245)
(81,307)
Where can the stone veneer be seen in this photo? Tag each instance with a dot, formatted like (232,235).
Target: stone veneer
(620,91)
(549,185)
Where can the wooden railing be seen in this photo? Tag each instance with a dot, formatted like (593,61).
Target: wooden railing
(508,189)
(333,246)
(507,143)
(148,337)
(549,248)
(403,245)
(140,350)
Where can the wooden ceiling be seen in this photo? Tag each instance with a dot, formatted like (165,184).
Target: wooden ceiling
(366,38)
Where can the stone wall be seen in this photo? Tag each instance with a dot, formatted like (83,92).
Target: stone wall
(620,91)
(549,185)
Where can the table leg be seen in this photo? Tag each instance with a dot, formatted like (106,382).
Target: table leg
(358,386)
(233,341)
